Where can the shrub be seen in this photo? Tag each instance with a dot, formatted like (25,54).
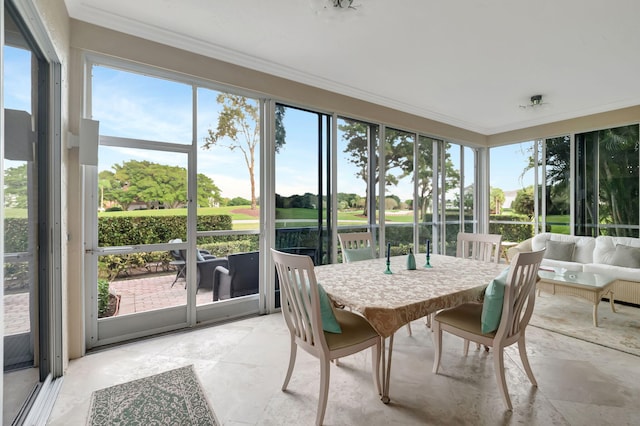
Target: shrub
(515,232)
(103,297)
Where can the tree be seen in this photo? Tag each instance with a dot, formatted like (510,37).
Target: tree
(524,202)
(154,185)
(238,201)
(398,153)
(496,201)
(208,192)
(16,187)
(619,177)
(239,128)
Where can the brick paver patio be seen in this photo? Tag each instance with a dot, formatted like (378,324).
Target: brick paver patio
(137,295)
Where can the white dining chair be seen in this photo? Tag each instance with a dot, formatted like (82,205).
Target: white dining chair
(308,313)
(482,247)
(466,320)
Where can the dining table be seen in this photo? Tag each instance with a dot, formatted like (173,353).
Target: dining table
(391,300)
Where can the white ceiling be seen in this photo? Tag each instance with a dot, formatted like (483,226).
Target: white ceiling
(466,63)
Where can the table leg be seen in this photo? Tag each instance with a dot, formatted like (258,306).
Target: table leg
(385,367)
(595,314)
(611,302)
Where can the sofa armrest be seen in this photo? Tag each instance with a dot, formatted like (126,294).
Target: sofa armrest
(524,246)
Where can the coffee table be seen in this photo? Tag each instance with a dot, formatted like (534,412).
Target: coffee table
(585,285)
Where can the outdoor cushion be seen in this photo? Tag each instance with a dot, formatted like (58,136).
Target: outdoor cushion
(355,255)
(559,250)
(199,256)
(626,256)
(492,305)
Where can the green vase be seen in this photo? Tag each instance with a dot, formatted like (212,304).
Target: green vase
(411,261)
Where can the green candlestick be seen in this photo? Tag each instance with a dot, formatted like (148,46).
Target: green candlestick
(388,270)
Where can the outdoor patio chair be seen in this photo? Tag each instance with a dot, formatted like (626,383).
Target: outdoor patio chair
(316,327)
(498,322)
(240,277)
(206,264)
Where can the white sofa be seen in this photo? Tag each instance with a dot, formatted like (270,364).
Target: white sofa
(589,254)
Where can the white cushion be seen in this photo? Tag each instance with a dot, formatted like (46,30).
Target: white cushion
(605,248)
(620,272)
(583,252)
(571,266)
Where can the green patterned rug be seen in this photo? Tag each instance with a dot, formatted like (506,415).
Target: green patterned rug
(170,398)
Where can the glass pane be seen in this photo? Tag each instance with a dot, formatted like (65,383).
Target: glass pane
(140,282)
(452,171)
(511,172)
(608,175)
(20,366)
(301,185)
(142,200)
(468,190)
(138,106)
(424,202)
(557,194)
(355,140)
(399,190)
(228,188)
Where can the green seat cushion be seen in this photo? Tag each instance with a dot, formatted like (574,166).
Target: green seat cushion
(626,256)
(492,305)
(355,255)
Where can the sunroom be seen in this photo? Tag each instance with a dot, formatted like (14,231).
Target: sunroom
(149,141)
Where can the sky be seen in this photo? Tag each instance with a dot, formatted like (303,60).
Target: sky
(142,107)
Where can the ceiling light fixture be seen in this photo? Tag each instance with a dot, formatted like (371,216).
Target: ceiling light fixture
(344,4)
(328,6)
(536,100)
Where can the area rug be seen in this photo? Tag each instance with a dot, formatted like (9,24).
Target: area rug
(573,317)
(170,398)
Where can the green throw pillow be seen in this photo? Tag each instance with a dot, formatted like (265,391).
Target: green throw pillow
(355,255)
(492,305)
(626,256)
(559,250)
(329,322)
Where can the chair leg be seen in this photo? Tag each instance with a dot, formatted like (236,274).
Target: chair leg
(375,365)
(525,360)
(324,390)
(498,365)
(437,338)
(409,329)
(292,361)
(466,347)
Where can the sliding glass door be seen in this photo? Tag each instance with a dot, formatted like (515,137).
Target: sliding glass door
(172,224)
(31,291)
(302,187)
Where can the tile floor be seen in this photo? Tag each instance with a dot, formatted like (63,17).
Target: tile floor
(242,364)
